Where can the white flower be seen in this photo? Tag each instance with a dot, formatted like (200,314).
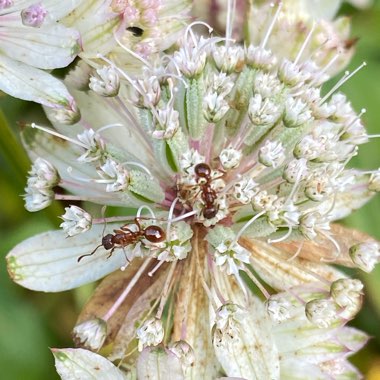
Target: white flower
(76,221)
(224,173)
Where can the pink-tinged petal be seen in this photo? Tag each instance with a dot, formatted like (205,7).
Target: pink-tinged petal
(352,197)
(46,48)
(96,25)
(48,262)
(80,364)
(28,83)
(352,338)
(293,369)
(157,363)
(63,155)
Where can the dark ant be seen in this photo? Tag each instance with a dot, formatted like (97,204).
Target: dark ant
(136,31)
(125,236)
(203,171)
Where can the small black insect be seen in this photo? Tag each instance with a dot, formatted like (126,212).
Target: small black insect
(136,31)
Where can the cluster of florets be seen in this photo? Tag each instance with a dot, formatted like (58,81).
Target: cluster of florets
(220,144)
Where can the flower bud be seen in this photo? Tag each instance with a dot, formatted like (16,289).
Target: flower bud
(34,15)
(322,312)
(365,255)
(90,334)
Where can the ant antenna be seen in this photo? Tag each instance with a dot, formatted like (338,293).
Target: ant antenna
(89,254)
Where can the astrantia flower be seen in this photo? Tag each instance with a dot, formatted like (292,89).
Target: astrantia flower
(235,166)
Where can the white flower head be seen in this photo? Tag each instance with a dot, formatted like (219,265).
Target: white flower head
(95,145)
(115,174)
(245,190)
(75,221)
(230,158)
(106,83)
(272,154)
(278,309)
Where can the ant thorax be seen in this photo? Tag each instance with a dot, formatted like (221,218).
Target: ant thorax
(200,188)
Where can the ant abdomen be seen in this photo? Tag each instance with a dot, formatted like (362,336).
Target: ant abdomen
(154,234)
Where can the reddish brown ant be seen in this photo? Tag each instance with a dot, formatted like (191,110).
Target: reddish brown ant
(125,236)
(203,172)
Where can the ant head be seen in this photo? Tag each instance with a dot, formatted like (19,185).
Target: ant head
(210,212)
(202,170)
(107,241)
(154,234)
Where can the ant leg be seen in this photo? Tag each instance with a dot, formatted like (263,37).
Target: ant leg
(111,252)
(89,254)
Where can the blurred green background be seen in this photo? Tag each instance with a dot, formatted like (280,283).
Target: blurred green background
(31,322)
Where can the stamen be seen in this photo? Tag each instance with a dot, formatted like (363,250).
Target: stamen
(158,266)
(271,26)
(127,290)
(86,180)
(171,211)
(231,7)
(108,126)
(329,64)
(54,133)
(138,214)
(338,250)
(134,163)
(131,52)
(303,47)
(184,216)
(347,75)
(240,233)
(299,249)
(282,238)
(189,30)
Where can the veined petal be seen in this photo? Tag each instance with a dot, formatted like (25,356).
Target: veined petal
(156,363)
(97,26)
(324,249)
(122,325)
(267,259)
(55,8)
(46,48)
(251,353)
(352,197)
(80,364)
(193,303)
(63,155)
(48,262)
(28,83)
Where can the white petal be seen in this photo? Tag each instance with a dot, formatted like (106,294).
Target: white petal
(97,26)
(156,363)
(252,354)
(80,364)
(49,261)
(28,83)
(46,48)
(63,155)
